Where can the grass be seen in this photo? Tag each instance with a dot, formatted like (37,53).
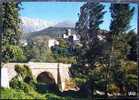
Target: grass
(18,94)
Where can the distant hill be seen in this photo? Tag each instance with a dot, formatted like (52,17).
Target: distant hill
(53,32)
(33,27)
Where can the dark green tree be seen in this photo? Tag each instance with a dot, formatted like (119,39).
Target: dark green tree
(11,26)
(121,15)
(90,51)
(132,41)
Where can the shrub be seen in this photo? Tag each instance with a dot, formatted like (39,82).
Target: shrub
(13,53)
(36,95)
(70,84)
(20,71)
(20,85)
(28,70)
(113,88)
(80,81)
(25,72)
(24,79)
(28,75)
(15,83)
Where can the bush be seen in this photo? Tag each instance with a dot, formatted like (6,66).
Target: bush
(20,85)
(24,79)
(113,89)
(36,95)
(80,81)
(70,84)
(20,71)
(24,72)
(13,53)
(15,83)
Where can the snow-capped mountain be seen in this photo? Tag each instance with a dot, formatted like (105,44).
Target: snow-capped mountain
(34,24)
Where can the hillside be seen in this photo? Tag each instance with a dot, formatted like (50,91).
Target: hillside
(53,32)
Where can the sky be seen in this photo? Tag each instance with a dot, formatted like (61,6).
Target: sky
(65,11)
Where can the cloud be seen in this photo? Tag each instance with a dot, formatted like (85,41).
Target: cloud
(34,24)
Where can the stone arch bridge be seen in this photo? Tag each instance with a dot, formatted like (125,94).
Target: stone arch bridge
(59,71)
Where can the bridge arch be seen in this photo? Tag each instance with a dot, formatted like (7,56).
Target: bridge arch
(46,78)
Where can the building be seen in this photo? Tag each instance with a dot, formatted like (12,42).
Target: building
(69,34)
(52,42)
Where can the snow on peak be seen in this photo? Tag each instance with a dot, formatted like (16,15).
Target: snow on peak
(34,24)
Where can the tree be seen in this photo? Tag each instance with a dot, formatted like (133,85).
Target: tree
(11,28)
(87,27)
(121,15)
(131,39)
(91,16)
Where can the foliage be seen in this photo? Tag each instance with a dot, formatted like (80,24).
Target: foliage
(50,57)
(11,22)
(120,24)
(105,64)
(53,96)
(62,52)
(63,43)
(13,94)
(130,67)
(80,81)
(121,15)
(91,49)
(35,51)
(87,27)
(24,82)
(23,70)
(12,32)
(70,84)
(42,54)
(112,88)
(18,94)
(112,58)
(65,59)
(132,38)
(24,79)
(20,85)
(13,53)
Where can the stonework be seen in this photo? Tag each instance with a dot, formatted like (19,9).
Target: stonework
(58,70)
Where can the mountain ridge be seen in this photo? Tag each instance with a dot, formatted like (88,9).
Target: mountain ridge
(53,32)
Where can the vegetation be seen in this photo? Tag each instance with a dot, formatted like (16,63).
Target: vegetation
(38,51)
(18,94)
(119,44)
(103,68)
(91,50)
(32,89)
(108,64)
(11,27)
